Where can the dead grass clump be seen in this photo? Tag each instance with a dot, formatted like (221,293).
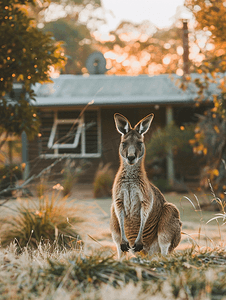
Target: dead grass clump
(191,274)
(44,220)
(103,181)
(41,189)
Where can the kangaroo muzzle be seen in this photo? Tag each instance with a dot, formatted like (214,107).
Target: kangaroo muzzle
(131,155)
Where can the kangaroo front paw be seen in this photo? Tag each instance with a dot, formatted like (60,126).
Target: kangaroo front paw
(137,247)
(125,246)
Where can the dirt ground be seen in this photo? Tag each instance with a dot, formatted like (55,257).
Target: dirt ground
(95,229)
(195,228)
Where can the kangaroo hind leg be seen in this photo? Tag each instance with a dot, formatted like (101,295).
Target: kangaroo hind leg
(169,228)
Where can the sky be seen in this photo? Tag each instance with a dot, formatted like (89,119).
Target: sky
(159,12)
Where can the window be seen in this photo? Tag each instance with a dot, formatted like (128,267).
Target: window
(72,134)
(65,134)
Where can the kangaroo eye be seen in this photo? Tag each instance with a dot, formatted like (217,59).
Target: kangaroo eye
(139,144)
(123,145)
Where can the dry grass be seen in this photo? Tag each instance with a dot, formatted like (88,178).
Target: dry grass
(50,272)
(103,181)
(47,219)
(69,274)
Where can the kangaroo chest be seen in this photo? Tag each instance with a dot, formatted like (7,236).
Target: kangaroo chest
(132,198)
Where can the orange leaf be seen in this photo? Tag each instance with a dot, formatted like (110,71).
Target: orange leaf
(216,129)
(205,151)
(215,172)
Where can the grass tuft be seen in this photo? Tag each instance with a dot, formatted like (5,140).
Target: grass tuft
(103,181)
(48,219)
(43,274)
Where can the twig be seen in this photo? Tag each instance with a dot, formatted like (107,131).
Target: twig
(4,202)
(19,187)
(95,240)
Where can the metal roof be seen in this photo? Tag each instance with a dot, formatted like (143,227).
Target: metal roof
(111,90)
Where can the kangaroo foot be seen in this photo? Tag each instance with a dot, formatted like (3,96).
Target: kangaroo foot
(137,247)
(125,246)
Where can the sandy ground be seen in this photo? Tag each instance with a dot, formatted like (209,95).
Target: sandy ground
(95,229)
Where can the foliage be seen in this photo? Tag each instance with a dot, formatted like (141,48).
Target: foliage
(80,21)
(177,139)
(210,142)
(134,49)
(211,21)
(103,181)
(9,174)
(26,56)
(77,2)
(45,220)
(41,188)
(191,274)
(211,129)
(68,182)
(161,183)
(211,26)
(78,43)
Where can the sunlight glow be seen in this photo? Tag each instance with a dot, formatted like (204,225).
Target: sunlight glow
(110,54)
(121,58)
(53,73)
(210,47)
(180,72)
(154,68)
(166,60)
(104,37)
(167,46)
(180,50)
(161,12)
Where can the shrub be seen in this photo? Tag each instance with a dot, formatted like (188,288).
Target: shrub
(210,144)
(41,188)
(46,219)
(71,172)
(172,137)
(162,184)
(68,182)
(9,174)
(103,181)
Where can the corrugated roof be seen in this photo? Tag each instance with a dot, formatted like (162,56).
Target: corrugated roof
(111,90)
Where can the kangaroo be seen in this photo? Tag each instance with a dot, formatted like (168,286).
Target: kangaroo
(141,218)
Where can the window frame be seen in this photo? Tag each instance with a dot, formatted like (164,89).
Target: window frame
(52,145)
(80,134)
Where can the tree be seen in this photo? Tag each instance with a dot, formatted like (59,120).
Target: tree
(26,56)
(78,22)
(134,49)
(210,135)
(77,42)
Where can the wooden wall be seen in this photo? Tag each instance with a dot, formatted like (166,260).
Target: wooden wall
(110,138)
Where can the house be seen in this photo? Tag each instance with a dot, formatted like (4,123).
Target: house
(77,112)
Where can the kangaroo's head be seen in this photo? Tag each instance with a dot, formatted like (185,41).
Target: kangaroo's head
(132,147)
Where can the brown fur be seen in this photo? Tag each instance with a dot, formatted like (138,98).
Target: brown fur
(138,206)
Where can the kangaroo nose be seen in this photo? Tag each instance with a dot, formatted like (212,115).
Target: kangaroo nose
(131,158)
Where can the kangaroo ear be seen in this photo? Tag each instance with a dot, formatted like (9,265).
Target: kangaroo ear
(122,124)
(143,126)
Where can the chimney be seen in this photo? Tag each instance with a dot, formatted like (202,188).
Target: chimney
(186,47)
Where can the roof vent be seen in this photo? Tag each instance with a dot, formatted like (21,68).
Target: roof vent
(96,63)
